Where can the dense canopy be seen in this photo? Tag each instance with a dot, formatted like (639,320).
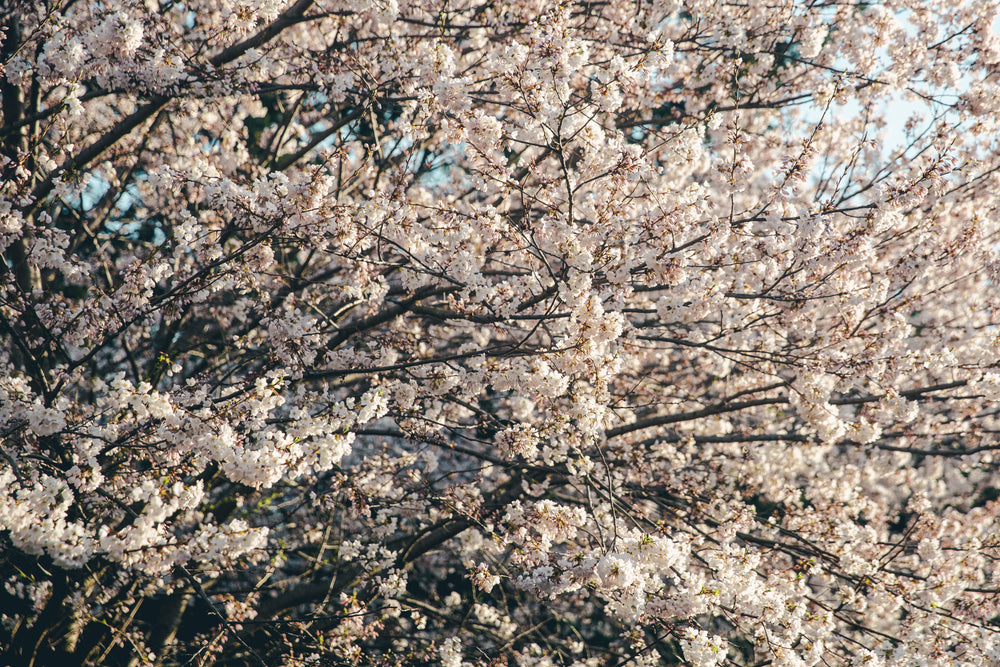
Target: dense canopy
(526,333)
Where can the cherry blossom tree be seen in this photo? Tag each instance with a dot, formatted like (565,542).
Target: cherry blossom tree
(524,333)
